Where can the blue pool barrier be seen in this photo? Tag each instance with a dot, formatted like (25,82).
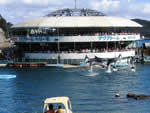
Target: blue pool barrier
(7,76)
(83,63)
(60,65)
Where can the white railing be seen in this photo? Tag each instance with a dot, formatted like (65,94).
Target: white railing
(78,55)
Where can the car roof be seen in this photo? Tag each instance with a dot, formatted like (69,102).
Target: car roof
(56,100)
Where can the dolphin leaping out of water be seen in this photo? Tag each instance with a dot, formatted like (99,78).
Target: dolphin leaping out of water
(110,61)
(132,66)
(113,60)
(95,61)
(103,62)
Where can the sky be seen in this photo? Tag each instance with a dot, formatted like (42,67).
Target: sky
(16,11)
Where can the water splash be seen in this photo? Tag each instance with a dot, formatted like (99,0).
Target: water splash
(91,69)
(115,69)
(89,72)
(133,68)
(108,69)
(92,74)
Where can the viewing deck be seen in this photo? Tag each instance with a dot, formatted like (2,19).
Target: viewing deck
(80,55)
(80,38)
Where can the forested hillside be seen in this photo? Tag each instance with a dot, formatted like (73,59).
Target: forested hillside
(145,30)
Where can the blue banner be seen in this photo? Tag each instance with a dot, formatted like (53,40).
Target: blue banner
(108,37)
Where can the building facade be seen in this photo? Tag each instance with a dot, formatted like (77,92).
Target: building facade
(66,36)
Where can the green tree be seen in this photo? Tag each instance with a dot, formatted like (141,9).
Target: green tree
(3,25)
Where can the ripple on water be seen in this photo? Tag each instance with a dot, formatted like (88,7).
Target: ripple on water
(89,91)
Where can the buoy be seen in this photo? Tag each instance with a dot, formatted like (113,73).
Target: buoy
(117,95)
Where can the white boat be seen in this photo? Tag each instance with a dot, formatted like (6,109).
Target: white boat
(67,108)
(66,36)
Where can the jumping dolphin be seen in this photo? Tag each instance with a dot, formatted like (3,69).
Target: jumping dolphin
(103,62)
(113,60)
(132,61)
(95,61)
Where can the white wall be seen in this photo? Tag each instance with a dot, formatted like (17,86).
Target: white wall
(79,55)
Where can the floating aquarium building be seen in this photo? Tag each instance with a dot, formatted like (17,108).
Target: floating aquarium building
(66,36)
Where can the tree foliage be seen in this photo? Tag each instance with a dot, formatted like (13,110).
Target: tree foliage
(145,30)
(4,25)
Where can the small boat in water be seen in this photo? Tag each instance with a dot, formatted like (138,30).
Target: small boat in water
(57,101)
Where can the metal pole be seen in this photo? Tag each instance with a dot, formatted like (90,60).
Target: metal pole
(119,45)
(91,46)
(75,4)
(58,44)
(74,46)
(107,45)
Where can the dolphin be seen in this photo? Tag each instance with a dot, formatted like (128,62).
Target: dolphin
(103,62)
(95,61)
(113,60)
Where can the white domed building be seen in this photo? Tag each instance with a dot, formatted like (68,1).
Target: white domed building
(66,36)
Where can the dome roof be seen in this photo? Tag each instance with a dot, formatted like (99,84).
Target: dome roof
(77,18)
(75,12)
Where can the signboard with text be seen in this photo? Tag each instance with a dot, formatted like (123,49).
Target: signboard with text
(78,38)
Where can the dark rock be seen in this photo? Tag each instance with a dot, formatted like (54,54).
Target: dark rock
(138,97)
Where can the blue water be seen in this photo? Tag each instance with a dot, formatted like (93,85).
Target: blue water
(88,92)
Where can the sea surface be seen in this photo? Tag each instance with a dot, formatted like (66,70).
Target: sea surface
(89,92)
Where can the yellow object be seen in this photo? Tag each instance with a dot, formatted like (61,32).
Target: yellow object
(117,95)
(60,110)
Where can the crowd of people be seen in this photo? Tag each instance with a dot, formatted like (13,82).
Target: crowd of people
(96,50)
(21,33)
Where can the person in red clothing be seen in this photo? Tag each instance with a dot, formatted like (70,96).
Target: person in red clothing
(51,110)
